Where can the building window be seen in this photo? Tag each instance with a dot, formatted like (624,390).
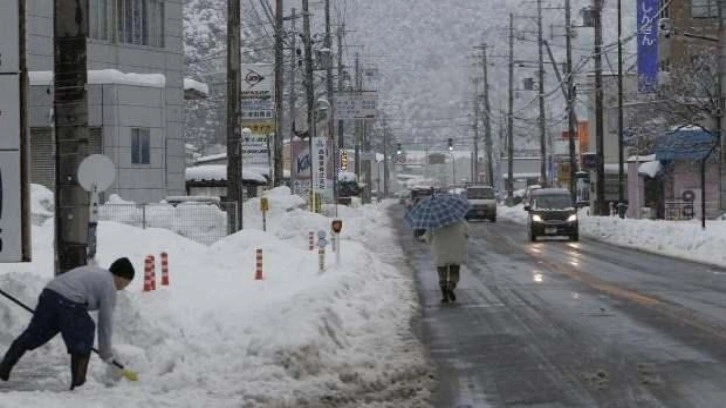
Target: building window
(140,22)
(100,16)
(704,8)
(140,146)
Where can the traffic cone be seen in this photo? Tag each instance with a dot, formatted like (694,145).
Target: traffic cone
(258,264)
(148,266)
(164,269)
(153,272)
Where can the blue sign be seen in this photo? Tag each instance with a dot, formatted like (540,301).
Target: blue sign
(647,45)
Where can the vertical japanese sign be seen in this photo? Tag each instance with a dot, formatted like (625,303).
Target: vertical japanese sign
(320,165)
(10,184)
(647,45)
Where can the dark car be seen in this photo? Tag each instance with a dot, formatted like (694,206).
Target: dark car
(552,213)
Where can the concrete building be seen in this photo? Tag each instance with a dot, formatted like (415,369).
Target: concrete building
(135,93)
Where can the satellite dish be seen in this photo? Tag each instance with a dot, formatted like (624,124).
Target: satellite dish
(96,171)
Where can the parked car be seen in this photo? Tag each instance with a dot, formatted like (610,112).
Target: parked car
(483,203)
(552,213)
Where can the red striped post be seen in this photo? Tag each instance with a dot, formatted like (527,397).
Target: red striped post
(258,265)
(148,265)
(164,269)
(311,241)
(153,272)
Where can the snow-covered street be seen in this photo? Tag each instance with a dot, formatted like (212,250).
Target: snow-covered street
(215,337)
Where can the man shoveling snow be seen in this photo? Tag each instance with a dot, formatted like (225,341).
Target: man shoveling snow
(63,307)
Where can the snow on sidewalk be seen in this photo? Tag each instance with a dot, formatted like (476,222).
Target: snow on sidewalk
(680,239)
(217,338)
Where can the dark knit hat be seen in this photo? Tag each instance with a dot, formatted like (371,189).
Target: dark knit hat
(123,268)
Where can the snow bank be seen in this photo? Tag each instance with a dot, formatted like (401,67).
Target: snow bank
(681,239)
(216,337)
(195,85)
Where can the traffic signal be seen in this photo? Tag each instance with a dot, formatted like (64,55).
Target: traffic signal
(399,149)
(451,144)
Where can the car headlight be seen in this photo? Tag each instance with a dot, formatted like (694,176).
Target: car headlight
(572,218)
(536,218)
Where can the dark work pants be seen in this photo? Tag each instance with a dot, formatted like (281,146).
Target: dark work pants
(56,314)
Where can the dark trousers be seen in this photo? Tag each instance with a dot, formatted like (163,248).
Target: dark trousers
(448,275)
(56,314)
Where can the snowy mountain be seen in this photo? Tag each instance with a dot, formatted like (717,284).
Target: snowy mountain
(424,51)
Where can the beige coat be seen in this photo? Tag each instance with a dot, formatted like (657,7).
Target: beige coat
(449,243)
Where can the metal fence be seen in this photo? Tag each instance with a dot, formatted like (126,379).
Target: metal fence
(205,223)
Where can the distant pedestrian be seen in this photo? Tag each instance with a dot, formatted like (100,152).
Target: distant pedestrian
(63,308)
(449,248)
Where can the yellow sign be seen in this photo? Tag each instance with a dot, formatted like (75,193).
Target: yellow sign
(264,204)
(344,161)
(260,128)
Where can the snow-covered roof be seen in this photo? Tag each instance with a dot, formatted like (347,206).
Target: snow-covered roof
(192,84)
(650,168)
(211,158)
(521,175)
(641,158)
(105,76)
(218,172)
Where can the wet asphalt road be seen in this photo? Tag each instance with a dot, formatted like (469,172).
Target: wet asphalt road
(560,324)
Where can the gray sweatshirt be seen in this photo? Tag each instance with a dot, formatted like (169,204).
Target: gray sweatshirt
(94,287)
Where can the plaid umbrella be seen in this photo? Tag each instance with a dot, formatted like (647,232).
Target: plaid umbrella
(437,211)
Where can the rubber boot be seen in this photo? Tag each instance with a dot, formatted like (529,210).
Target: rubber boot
(444,291)
(79,367)
(11,358)
(450,289)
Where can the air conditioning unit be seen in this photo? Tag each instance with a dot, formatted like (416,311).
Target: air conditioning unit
(691,198)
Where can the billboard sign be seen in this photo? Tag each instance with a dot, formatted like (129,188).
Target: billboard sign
(356,105)
(257,92)
(255,150)
(647,19)
(320,171)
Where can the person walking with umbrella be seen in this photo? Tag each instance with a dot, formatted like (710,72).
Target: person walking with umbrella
(447,232)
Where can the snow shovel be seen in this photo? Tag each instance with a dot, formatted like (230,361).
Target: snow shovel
(128,374)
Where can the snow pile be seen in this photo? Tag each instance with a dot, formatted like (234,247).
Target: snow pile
(216,337)
(515,213)
(682,239)
(42,203)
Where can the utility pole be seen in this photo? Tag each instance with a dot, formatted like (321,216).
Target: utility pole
(621,146)
(341,123)
(279,72)
(510,116)
(234,120)
(358,124)
(488,119)
(601,205)
(385,157)
(24,132)
(331,99)
(70,104)
(721,107)
(475,164)
(542,125)
(293,99)
(571,118)
(310,92)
